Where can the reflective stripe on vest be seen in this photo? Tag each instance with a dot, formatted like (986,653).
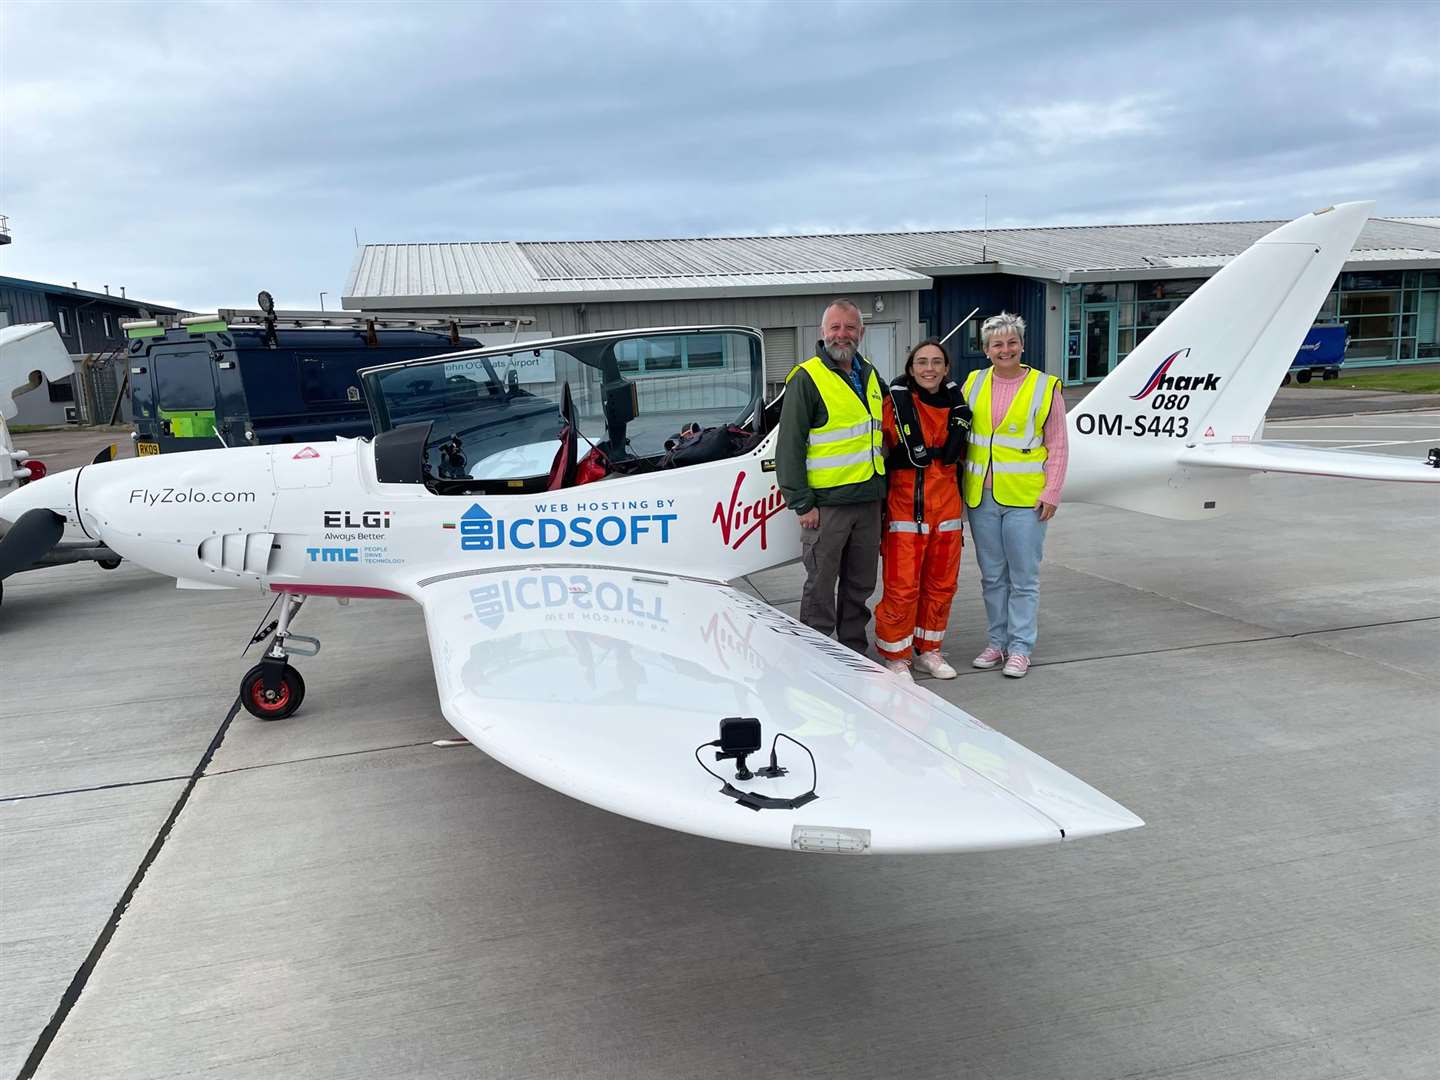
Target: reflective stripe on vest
(849,447)
(1013,451)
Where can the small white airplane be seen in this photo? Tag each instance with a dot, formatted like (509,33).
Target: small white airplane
(30,353)
(581,629)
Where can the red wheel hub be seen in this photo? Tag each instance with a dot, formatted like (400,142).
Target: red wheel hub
(282,696)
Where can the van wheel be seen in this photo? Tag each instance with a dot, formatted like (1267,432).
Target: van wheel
(1302,376)
(109,564)
(1330,373)
(1285,381)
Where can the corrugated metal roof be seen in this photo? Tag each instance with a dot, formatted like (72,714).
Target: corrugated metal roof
(1366,255)
(554,271)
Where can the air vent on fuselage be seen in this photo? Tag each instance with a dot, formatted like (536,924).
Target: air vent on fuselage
(240,553)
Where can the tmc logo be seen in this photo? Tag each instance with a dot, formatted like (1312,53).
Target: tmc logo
(482,531)
(1161,379)
(333,554)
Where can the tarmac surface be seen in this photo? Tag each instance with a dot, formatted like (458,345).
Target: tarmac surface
(189,892)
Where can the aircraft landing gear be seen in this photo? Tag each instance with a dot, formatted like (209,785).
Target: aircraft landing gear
(272,689)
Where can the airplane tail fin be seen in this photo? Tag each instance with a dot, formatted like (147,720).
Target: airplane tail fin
(1206,375)
(1218,359)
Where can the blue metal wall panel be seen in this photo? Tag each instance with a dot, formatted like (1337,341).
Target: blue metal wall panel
(23,305)
(953,297)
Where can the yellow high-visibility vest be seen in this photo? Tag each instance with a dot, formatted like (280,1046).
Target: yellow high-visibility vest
(849,447)
(1012,450)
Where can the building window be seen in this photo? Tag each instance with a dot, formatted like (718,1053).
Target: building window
(62,317)
(667,355)
(1116,316)
(1388,315)
(107,323)
(63,390)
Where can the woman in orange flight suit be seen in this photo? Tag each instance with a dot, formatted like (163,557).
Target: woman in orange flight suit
(926,420)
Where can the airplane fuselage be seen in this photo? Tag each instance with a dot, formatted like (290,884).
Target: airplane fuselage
(315,519)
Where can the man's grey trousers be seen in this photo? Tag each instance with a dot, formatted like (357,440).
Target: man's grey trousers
(842,559)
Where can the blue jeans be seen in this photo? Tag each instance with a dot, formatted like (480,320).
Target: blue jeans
(1009,543)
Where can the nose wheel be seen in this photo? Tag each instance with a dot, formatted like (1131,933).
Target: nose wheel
(273,689)
(272,694)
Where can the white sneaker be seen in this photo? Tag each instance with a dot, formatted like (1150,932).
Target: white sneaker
(932,663)
(990,658)
(900,669)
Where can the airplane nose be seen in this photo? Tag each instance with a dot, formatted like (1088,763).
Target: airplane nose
(32,520)
(55,492)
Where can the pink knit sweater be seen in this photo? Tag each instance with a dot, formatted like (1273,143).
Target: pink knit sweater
(1002,393)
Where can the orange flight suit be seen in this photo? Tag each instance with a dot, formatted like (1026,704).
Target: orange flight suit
(921,552)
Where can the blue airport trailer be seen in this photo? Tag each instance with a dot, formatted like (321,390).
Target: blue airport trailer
(1321,353)
(248,378)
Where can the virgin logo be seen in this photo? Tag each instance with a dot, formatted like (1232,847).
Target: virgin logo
(731,642)
(739,521)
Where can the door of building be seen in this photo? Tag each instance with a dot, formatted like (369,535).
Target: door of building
(1100,328)
(878,346)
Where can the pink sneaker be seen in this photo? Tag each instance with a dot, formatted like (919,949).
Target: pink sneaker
(933,664)
(900,669)
(990,658)
(1016,666)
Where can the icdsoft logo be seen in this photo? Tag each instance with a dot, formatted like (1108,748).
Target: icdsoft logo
(1161,379)
(482,531)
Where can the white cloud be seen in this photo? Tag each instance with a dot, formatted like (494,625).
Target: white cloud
(1053,125)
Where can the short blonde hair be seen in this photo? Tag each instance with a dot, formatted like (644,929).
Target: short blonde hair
(1003,323)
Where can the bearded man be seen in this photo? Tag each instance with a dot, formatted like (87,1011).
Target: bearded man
(830,466)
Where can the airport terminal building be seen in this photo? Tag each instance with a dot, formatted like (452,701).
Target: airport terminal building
(1088,293)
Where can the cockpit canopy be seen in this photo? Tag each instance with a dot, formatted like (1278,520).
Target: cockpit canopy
(495,414)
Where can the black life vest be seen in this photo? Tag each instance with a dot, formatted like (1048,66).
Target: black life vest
(911,452)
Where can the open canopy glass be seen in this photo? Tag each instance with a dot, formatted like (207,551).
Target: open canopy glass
(495,413)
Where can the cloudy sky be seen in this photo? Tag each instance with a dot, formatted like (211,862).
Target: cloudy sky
(196,153)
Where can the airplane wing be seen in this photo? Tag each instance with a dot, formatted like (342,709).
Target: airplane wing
(603,684)
(1276,457)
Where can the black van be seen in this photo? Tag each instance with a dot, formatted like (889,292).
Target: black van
(243,378)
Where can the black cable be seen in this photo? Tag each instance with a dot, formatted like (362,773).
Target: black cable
(814,771)
(753,800)
(712,772)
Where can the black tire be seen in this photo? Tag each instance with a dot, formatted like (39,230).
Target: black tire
(258,705)
(109,564)
(1285,381)
(1302,376)
(1330,373)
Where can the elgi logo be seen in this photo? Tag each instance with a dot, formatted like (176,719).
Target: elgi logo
(348,519)
(482,531)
